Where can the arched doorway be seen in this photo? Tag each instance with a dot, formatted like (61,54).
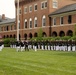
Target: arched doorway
(54,34)
(30,35)
(25,36)
(10,36)
(14,36)
(61,34)
(4,36)
(7,36)
(35,35)
(44,34)
(69,33)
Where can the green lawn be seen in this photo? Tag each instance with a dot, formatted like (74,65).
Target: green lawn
(37,63)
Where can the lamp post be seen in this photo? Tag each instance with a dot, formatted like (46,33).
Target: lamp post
(17,20)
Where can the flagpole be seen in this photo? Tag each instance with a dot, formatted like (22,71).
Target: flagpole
(17,20)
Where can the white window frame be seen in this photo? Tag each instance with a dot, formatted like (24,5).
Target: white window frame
(25,8)
(44,17)
(44,3)
(34,7)
(60,20)
(35,19)
(54,21)
(11,27)
(19,11)
(55,4)
(29,23)
(24,23)
(41,5)
(30,10)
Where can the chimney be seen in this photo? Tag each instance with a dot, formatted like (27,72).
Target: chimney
(3,16)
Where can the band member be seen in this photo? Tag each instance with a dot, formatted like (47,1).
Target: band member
(26,45)
(22,45)
(35,45)
(0,46)
(18,46)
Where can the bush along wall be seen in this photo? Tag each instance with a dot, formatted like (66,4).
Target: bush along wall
(7,41)
(65,38)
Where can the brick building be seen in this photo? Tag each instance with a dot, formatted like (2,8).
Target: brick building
(34,14)
(40,14)
(7,27)
(63,21)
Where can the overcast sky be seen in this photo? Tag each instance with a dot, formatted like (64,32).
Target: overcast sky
(7,7)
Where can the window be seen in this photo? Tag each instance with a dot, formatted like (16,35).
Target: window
(0,28)
(20,11)
(30,23)
(25,10)
(61,20)
(55,3)
(25,23)
(69,19)
(43,20)
(14,27)
(35,7)
(43,4)
(30,8)
(11,27)
(7,28)
(35,22)
(19,24)
(54,21)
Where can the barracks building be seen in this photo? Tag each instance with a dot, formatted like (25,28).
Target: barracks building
(54,17)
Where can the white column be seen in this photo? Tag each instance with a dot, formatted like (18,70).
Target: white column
(17,20)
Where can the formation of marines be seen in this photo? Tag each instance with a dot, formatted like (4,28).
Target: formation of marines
(44,45)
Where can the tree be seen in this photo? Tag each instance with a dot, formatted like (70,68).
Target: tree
(40,34)
(74,33)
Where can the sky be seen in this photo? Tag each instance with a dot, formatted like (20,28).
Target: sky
(7,7)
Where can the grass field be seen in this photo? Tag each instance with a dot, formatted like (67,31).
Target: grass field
(37,63)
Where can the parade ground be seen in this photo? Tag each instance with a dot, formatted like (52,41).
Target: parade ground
(37,63)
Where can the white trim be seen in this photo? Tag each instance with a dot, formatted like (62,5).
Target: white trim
(29,8)
(8,31)
(24,23)
(34,21)
(54,3)
(35,28)
(60,20)
(26,9)
(54,21)
(29,22)
(44,17)
(43,4)
(34,7)
(63,25)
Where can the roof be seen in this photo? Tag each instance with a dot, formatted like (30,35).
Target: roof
(6,20)
(67,8)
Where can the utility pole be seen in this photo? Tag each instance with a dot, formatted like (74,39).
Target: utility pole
(17,20)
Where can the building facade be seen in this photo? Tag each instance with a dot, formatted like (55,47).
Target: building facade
(7,27)
(33,16)
(63,21)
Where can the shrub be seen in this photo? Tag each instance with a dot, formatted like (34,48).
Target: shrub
(66,38)
(7,41)
(73,38)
